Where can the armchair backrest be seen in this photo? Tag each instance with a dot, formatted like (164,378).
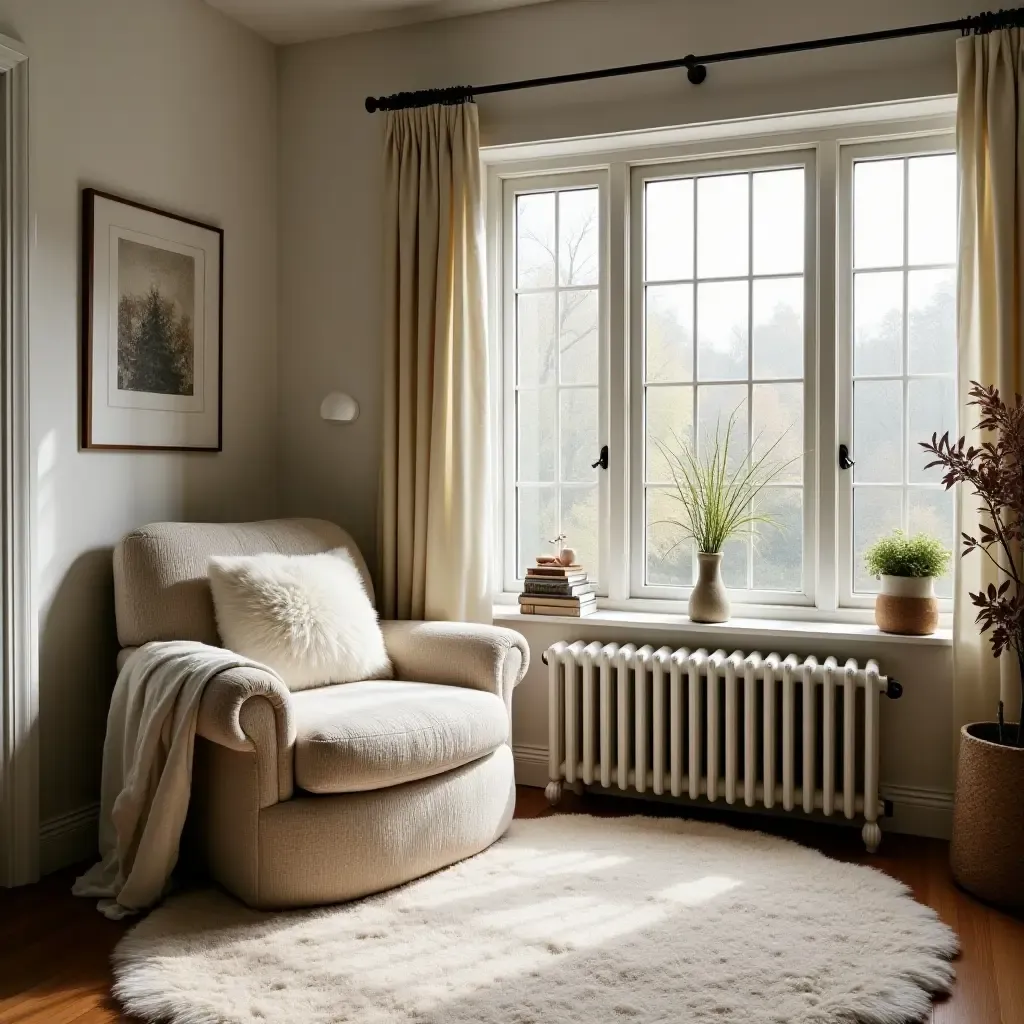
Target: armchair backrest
(161,588)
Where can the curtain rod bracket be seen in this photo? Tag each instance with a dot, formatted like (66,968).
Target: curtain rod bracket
(695,72)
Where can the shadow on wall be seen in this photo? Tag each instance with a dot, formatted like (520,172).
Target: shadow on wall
(77,654)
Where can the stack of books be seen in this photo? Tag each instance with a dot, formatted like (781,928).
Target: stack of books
(552,589)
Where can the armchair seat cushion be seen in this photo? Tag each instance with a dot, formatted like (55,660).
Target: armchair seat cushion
(378,733)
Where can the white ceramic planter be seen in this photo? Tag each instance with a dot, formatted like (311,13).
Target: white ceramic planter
(709,600)
(908,586)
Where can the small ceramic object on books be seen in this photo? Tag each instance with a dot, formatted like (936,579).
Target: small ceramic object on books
(906,605)
(709,600)
(567,556)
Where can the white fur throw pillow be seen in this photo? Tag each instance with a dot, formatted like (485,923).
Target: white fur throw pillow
(305,616)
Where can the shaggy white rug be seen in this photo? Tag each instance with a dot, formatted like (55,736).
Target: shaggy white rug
(568,919)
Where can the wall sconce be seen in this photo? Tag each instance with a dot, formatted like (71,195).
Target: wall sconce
(339,407)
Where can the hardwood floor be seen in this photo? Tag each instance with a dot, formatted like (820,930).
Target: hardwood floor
(55,949)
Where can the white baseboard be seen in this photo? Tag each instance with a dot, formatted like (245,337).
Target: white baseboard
(919,812)
(68,839)
(915,811)
(531,765)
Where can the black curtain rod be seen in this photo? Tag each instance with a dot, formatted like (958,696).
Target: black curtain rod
(696,66)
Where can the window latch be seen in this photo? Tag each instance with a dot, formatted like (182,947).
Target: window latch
(602,459)
(845,462)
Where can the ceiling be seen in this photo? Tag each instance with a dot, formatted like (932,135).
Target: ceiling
(296,21)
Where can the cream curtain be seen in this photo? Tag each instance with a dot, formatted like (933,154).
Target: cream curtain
(435,516)
(990,149)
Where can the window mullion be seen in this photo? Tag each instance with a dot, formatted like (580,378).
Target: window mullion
(823,361)
(615,385)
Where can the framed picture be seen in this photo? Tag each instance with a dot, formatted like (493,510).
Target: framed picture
(151,328)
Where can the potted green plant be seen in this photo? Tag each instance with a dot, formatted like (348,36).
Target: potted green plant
(907,568)
(987,851)
(717,499)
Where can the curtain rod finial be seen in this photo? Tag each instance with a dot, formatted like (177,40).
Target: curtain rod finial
(371,104)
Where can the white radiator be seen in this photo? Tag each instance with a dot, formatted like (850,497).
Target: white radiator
(767,731)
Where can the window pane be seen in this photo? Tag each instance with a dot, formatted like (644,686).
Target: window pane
(536,434)
(778,418)
(876,511)
(931,328)
(779,327)
(535,338)
(932,410)
(722,330)
(715,405)
(877,323)
(535,240)
(538,523)
(668,230)
(778,548)
(577,236)
(735,560)
(930,510)
(669,552)
(577,334)
(670,422)
(931,183)
(878,213)
(878,431)
(578,433)
(669,332)
(779,222)
(722,225)
(579,523)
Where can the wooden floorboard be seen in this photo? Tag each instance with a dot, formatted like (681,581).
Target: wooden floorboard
(55,949)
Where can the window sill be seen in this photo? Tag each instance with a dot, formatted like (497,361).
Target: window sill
(509,615)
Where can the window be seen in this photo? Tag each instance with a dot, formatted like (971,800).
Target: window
(554,339)
(720,295)
(900,319)
(805,295)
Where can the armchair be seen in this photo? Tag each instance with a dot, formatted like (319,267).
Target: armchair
(332,793)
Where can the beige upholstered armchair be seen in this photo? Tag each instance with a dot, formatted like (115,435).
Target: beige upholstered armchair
(332,793)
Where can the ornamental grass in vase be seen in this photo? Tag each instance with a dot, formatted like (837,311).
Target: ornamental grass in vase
(987,851)
(907,568)
(716,501)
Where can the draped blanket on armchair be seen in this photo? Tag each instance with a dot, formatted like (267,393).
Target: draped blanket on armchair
(435,516)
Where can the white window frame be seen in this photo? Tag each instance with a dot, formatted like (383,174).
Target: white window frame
(849,154)
(803,158)
(512,187)
(824,134)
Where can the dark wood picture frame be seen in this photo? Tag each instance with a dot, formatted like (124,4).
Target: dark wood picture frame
(89,197)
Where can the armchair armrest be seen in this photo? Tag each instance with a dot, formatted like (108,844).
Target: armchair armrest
(465,654)
(248,709)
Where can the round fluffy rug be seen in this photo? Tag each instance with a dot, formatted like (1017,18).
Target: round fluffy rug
(567,919)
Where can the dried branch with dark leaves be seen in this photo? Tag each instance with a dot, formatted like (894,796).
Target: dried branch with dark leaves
(994,470)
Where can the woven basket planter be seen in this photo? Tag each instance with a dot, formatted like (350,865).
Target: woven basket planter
(987,852)
(907,605)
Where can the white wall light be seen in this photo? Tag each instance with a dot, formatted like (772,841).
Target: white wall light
(339,407)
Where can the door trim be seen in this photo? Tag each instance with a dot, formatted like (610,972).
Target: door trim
(19,719)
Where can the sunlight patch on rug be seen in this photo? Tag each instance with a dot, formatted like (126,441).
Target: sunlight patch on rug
(568,920)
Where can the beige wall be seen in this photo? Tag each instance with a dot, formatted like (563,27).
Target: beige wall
(330,175)
(169,103)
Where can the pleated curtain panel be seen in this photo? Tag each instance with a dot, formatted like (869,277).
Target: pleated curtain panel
(436,538)
(990,150)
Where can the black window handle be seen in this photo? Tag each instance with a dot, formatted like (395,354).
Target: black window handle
(602,459)
(845,462)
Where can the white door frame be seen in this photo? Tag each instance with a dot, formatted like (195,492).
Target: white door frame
(19,720)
